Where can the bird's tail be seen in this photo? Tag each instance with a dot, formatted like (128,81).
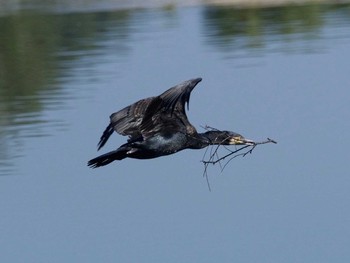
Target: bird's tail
(107,158)
(105,136)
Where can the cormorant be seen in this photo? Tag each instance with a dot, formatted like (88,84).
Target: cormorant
(158,126)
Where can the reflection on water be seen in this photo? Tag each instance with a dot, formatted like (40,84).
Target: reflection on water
(40,52)
(37,53)
(237,30)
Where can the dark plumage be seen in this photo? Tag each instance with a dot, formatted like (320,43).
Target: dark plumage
(158,126)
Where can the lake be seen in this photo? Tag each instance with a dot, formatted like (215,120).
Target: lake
(277,72)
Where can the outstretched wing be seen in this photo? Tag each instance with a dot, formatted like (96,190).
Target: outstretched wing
(155,114)
(126,121)
(167,111)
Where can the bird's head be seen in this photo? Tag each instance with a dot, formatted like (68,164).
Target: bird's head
(237,139)
(227,138)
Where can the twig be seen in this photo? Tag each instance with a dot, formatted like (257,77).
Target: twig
(211,161)
(214,156)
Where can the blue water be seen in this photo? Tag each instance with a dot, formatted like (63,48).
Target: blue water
(275,72)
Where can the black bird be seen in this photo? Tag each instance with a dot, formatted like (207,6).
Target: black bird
(158,126)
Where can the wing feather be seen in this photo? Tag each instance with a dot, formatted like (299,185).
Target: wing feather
(128,120)
(167,111)
(149,116)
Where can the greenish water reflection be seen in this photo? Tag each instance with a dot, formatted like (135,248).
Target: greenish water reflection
(226,27)
(38,50)
(33,63)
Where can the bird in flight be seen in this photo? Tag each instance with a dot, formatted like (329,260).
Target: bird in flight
(158,126)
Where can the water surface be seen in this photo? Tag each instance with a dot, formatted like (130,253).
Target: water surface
(274,72)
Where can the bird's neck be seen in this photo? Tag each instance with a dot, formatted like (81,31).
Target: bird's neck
(202,140)
(214,137)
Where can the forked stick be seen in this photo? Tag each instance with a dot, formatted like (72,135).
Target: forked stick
(214,159)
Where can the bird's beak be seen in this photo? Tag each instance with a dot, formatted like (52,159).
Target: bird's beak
(239,140)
